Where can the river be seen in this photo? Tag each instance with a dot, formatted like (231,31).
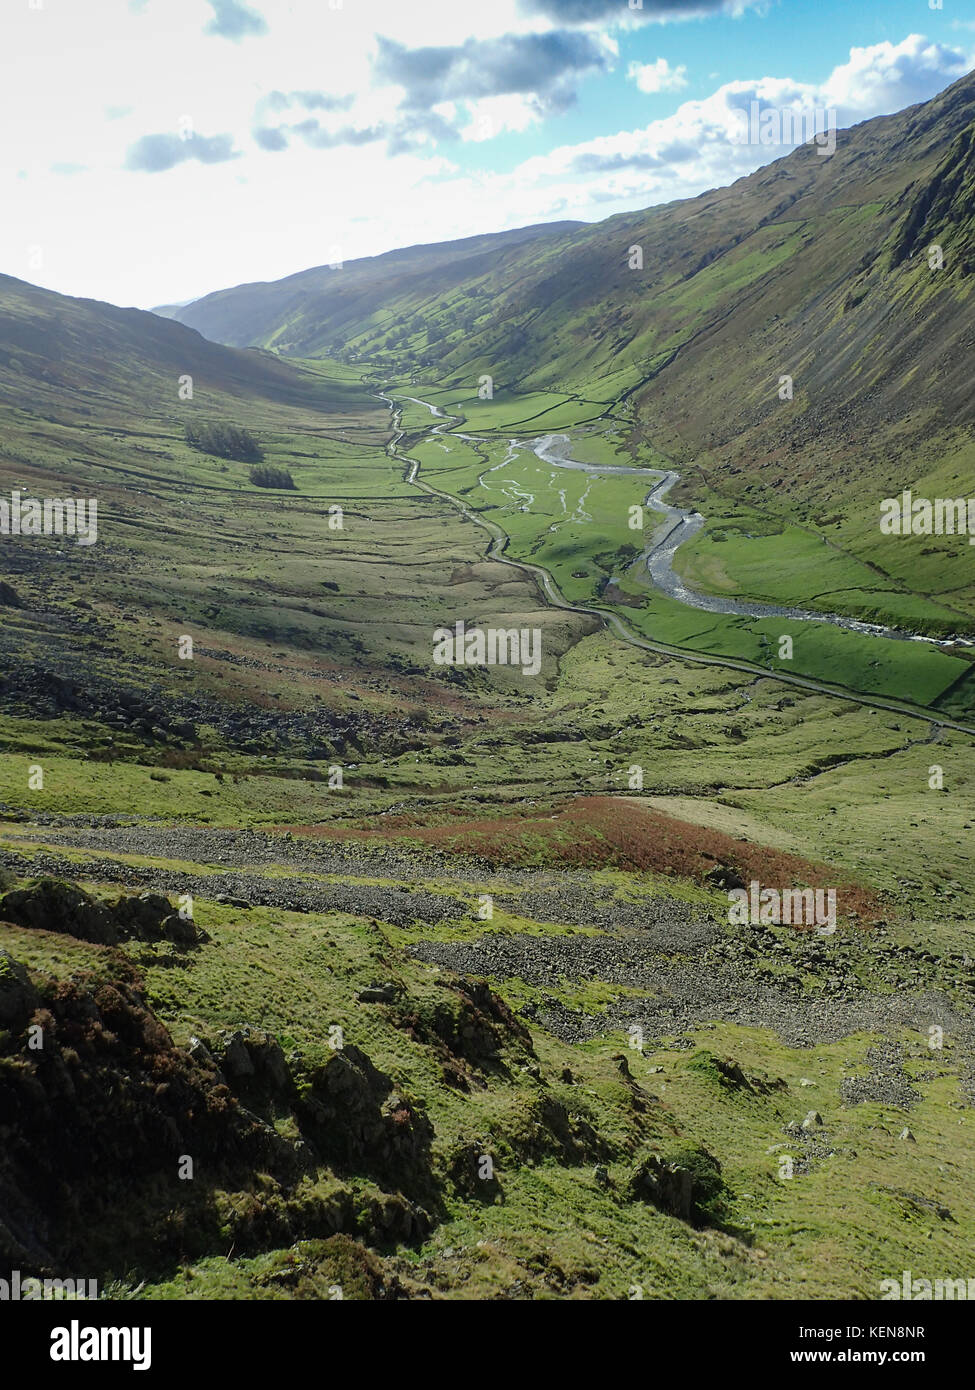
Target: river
(676,526)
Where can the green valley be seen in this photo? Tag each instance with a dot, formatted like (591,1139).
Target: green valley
(330,971)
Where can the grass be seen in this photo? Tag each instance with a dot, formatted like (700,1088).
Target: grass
(833,1231)
(577,526)
(741,553)
(313,647)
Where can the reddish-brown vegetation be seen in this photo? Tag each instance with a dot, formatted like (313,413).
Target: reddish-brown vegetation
(605,831)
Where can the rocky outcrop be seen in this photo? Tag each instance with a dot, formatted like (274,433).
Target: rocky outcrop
(251,1061)
(115,1139)
(726,1073)
(106,1125)
(50,905)
(471,1173)
(467,1023)
(688,1185)
(358,1122)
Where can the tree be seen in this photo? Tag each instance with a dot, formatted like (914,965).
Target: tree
(224,440)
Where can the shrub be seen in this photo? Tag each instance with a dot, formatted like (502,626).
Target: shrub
(225,441)
(267,476)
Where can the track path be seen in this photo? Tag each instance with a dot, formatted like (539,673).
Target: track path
(499,541)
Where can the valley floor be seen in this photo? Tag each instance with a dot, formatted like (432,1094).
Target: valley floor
(326,968)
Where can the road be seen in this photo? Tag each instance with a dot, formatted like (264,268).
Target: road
(499,542)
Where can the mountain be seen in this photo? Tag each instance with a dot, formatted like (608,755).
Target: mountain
(71,352)
(810,266)
(169,311)
(814,268)
(316,311)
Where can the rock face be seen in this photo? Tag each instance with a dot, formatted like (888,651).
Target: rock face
(18,997)
(687,1185)
(51,905)
(357,1121)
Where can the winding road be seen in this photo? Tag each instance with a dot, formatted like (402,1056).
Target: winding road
(659,557)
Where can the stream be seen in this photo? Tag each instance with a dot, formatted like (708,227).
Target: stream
(677,525)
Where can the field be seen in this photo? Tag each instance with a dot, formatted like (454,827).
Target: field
(325,967)
(576,526)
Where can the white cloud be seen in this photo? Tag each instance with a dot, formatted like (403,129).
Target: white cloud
(887,77)
(89,83)
(492,116)
(658,76)
(699,146)
(633,13)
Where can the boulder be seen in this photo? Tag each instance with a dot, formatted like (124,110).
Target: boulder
(688,1185)
(253,1060)
(723,876)
(472,1176)
(179,930)
(232,1056)
(199,1051)
(378,994)
(18,997)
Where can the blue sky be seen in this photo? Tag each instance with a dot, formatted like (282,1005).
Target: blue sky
(159,149)
(801,38)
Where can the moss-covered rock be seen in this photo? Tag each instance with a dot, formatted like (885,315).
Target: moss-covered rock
(686,1183)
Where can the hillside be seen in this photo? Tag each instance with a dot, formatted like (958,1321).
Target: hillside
(67,352)
(812,267)
(101,402)
(803,245)
(316,312)
(430,971)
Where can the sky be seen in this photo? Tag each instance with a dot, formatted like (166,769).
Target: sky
(155,150)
